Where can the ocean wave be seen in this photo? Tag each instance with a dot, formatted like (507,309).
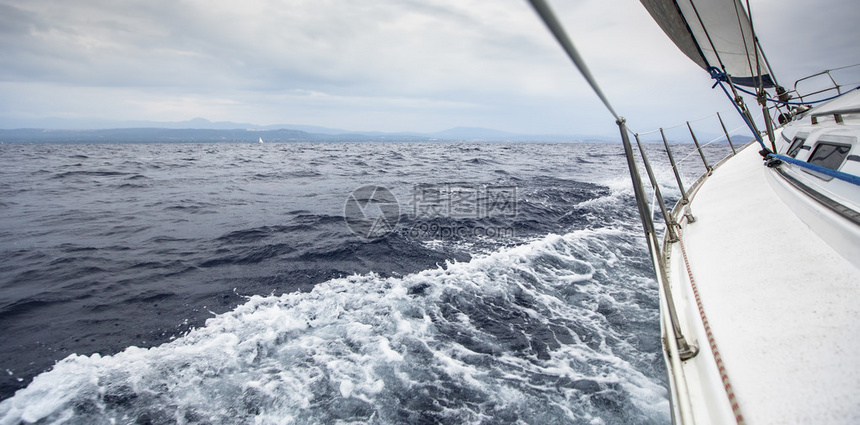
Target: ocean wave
(528,334)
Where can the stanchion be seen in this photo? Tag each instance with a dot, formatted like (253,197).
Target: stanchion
(685,351)
(701,153)
(726,132)
(670,221)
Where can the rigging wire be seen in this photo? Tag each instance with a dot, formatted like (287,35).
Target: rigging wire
(844,67)
(708,36)
(760,51)
(548,17)
(756,72)
(684,350)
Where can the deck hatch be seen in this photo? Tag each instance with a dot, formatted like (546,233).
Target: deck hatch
(829,155)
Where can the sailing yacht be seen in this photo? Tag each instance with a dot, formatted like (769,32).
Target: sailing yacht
(759,266)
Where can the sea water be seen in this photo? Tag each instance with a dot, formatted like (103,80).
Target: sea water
(327,283)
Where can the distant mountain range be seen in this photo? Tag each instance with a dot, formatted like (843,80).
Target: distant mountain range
(200,130)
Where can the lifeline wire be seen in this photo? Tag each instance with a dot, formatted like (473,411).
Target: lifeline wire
(677,125)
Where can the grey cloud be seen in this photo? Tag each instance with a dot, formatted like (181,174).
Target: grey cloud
(325,60)
(323,44)
(16,22)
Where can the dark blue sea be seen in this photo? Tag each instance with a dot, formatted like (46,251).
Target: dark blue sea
(327,283)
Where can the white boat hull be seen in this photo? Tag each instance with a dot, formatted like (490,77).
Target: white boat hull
(783,308)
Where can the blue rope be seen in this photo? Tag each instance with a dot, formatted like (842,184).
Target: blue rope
(714,71)
(720,76)
(850,178)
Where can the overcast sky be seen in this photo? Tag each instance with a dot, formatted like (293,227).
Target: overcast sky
(388,65)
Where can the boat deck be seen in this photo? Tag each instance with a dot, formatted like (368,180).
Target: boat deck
(780,303)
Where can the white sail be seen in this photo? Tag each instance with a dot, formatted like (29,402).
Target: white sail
(714,34)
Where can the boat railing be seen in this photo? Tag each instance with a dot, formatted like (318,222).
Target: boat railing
(678,346)
(816,88)
(671,218)
(698,154)
(823,82)
(677,349)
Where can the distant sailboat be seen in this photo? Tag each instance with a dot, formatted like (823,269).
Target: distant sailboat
(261,140)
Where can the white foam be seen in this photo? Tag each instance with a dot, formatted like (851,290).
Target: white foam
(346,387)
(353,348)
